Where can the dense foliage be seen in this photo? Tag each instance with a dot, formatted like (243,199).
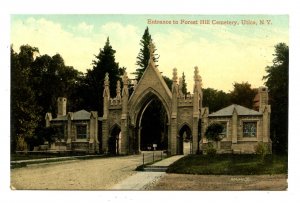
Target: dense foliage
(277,81)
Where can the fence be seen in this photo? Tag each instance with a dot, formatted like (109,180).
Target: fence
(152,156)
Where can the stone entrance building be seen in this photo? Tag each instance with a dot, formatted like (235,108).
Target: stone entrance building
(122,117)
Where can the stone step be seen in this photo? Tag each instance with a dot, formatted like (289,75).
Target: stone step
(155,168)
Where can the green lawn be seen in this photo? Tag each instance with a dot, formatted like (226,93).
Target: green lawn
(230,164)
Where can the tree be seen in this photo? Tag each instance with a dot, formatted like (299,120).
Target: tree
(215,99)
(36,83)
(184,85)
(51,78)
(25,114)
(277,82)
(213,133)
(144,55)
(243,94)
(104,63)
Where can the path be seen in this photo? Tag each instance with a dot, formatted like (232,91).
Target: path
(142,180)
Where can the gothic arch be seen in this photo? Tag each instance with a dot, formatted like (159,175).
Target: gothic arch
(142,101)
(183,124)
(114,139)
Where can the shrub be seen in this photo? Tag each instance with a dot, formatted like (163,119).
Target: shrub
(211,151)
(261,149)
(213,132)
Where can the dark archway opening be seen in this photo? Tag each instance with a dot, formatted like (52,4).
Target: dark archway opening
(114,140)
(153,125)
(185,140)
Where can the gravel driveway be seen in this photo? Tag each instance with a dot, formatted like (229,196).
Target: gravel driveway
(95,174)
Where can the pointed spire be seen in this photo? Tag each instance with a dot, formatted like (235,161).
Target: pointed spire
(125,78)
(175,75)
(106,79)
(125,84)
(106,86)
(118,90)
(196,74)
(198,80)
(180,87)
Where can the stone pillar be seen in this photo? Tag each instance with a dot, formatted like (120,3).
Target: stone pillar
(266,123)
(234,126)
(48,119)
(105,127)
(70,130)
(174,108)
(124,117)
(196,108)
(93,142)
(205,112)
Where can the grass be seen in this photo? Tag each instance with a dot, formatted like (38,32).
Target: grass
(230,164)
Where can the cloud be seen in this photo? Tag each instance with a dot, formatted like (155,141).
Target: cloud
(52,38)
(223,56)
(125,40)
(84,27)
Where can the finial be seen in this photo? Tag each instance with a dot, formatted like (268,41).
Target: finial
(180,87)
(125,78)
(180,83)
(196,74)
(118,86)
(106,79)
(175,75)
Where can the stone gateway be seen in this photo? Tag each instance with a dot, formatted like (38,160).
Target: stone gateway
(186,119)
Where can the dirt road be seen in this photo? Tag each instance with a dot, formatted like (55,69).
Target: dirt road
(95,174)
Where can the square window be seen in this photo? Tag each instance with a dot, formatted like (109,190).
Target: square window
(81,131)
(249,129)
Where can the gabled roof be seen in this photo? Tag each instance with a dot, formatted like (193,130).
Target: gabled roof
(81,115)
(78,115)
(151,79)
(228,111)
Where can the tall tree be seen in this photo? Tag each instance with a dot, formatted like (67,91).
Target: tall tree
(25,114)
(144,55)
(104,63)
(184,85)
(243,94)
(51,78)
(277,82)
(215,99)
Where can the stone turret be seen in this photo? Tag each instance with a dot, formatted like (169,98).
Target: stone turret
(106,99)
(197,105)
(61,106)
(175,94)
(106,96)
(124,120)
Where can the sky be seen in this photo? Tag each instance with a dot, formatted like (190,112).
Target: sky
(224,53)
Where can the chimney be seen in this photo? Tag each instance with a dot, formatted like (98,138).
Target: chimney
(61,106)
(263,97)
